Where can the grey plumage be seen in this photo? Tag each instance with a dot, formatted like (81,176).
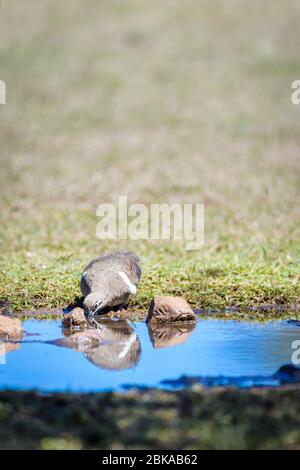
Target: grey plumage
(109,280)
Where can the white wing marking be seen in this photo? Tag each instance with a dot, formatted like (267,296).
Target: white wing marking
(127,346)
(132,287)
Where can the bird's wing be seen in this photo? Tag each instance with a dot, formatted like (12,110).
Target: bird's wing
(133,268)
(85,284)
(91,275)
(106,269)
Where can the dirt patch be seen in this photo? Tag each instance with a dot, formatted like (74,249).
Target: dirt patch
(263,312)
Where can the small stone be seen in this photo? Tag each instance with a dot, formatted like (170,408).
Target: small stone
(10,327)
(74,319)
(169,309)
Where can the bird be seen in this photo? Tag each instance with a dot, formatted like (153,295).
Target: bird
(109,280)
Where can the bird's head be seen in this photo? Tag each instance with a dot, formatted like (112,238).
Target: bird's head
(92,304)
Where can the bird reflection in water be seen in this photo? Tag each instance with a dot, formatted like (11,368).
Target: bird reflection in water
(114,344)
(108,344)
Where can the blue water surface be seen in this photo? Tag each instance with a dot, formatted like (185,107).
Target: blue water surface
(213,348)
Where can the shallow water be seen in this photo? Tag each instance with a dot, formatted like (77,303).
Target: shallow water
(119,353)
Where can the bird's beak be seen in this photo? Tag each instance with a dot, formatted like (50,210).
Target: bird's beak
(95,310)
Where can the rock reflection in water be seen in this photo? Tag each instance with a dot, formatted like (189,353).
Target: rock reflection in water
(164,335)
(108,344)
(7,347)
(9,344)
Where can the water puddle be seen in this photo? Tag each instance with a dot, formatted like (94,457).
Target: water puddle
(115,355)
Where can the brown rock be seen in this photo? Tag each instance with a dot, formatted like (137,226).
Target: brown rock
(170,309)
(10,327)
(74,319)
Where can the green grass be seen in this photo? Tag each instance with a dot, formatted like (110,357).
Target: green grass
(162,102)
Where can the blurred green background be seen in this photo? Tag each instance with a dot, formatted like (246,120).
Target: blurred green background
(163,102)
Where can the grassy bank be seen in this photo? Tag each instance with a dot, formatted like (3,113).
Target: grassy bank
(173,102)
(216,419)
